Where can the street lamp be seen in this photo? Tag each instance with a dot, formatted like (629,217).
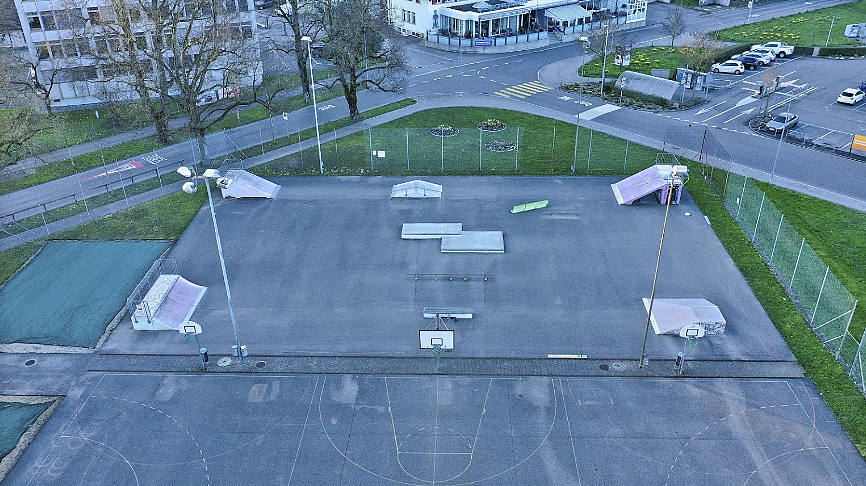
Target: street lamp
(583,42)
(309,42)
(190,187)
(675,177)
(604,56)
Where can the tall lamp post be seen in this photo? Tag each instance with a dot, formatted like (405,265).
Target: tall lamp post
(604,56)
(309,42)
(675,178)
(583,42)
(190,187)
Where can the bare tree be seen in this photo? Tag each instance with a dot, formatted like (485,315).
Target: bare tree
(357,43)
(602,41)
(296,15)
(674,24)
(19,113)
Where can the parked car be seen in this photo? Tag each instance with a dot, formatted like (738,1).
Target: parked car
(764,50)
(779,48)
(750,62)
(764,58)
(263,4)
(851,96)
(735,67)
(782,122)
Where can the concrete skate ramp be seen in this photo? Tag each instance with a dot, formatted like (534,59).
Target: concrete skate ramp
(416,189)
(637,186)
(430,231)
(170,301)
(474,242)
(244,184)
(671,315)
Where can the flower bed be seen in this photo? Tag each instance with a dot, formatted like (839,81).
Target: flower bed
(444,131)
(491,125)
(500,146)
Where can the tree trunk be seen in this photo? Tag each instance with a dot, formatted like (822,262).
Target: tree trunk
(303,67)
(351,90)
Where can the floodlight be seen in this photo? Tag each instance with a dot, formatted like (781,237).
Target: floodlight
(211,173)
(223,182)
(306,38)
(184,171)
(189,187)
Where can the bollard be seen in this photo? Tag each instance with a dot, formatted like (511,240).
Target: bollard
(679,363)
(202,353)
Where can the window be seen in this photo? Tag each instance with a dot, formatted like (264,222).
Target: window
(135,15)
(141,40)
(115,43)
(93,14)
(101,45)
(83,47)
(42,50)
(247,30)
(55,49)
(231,6)
(34,21)
(168,37)
(48,22)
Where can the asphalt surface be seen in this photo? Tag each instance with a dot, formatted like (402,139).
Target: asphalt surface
(336,391)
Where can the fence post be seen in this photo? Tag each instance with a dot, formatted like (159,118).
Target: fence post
(442,150)
(776,240)
(479,150)
(407,148)
(336,154)
(758,219)
(517,149)
(845,334)
(553,151)
(44,222)
(370,134)
(797,264)
(589,156)
(820,293)
(84,197)
(740,200)
(157,176)
(625,162)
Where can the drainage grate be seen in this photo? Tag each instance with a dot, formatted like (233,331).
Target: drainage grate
(30,362)
(603,367)
(261,364)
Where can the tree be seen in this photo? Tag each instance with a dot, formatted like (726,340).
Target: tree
(674,24)
(603,40)
(296,15)
(699,53)
(19,112)
(357,43)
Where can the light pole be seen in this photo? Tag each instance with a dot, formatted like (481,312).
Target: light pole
(604,56)
(309,42)
(190,187)
(583,41)
(675,177)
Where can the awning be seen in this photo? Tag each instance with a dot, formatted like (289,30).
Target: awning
(567,12)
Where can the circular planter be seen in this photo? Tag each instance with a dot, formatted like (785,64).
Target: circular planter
(500,146)
(444,131)
(491,126)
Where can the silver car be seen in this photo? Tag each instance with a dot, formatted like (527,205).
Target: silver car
(782,122)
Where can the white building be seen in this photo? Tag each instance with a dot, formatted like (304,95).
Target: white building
(53,35)
(506,25)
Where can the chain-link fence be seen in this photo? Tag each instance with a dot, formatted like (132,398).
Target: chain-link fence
(119,187)
(445,149)
(820,296)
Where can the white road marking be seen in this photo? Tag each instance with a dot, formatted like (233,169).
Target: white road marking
(598,111)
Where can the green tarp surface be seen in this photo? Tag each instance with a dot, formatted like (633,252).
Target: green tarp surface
(69,293)
(14,419)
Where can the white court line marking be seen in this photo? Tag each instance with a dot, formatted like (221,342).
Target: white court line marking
(304,431)
(112,449)
(570,433)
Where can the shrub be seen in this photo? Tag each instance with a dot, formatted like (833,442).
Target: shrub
(847,51)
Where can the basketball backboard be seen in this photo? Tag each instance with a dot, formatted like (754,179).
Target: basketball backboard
(692,331)
(431,339)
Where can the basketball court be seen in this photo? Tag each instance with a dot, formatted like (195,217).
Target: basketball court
(423,430)
(324,269)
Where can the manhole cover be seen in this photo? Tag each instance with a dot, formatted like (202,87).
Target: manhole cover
(261,364)
(224,361)
(603,367)
(30,362)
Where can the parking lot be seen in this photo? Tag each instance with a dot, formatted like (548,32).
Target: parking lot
(809,88)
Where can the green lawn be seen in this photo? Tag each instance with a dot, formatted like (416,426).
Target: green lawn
(805,29)
(643,60)
(836,233)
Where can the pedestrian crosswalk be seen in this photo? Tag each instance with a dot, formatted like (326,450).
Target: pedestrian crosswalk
(523,90)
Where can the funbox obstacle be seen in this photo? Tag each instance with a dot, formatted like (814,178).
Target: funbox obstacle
(658,179)
(671,315)
(416,189)
(240,183)
(454,239)
(170,301)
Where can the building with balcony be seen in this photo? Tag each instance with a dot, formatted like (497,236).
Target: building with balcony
(509,25)
(69,42)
